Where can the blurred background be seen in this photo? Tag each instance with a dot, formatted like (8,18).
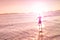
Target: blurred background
(19,19)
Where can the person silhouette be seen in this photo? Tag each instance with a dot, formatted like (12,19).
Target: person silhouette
(39,20)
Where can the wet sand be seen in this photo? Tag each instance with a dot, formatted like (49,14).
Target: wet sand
(20,27)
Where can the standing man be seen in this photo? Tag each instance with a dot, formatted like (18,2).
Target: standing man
(40,35)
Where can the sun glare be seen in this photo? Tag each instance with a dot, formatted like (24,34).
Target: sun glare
(39,8)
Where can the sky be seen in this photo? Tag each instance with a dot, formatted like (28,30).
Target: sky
(26,6)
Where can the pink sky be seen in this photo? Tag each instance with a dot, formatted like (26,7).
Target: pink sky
(25,6)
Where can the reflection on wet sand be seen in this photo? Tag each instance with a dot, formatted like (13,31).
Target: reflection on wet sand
(29,30)
(19,32)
